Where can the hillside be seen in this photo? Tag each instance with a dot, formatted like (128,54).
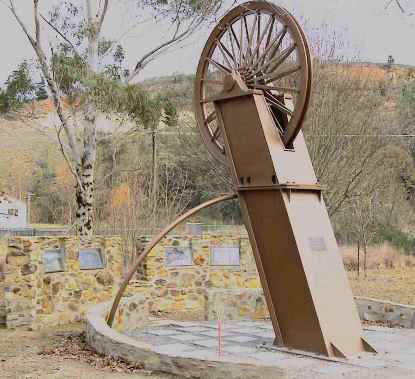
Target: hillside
(30,154)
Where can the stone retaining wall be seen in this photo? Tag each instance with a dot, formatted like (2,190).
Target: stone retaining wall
(133,313)
(35,298)
(3,252)
(239,304)
(235,304)
(228,304)
(182,293)
(2,304)
(385,312)
(202,273)
(198,291)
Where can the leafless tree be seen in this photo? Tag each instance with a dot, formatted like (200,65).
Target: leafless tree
(341,129)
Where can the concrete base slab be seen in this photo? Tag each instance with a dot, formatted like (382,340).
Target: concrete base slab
(251,342)
(192,351)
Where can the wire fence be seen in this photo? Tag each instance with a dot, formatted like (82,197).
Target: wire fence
(186,229)
(34,232)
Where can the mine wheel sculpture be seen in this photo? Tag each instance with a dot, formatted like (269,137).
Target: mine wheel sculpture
(264,46)
(251,94)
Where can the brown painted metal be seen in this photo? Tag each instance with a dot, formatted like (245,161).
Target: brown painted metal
(133,269)
(307,292)
(258,133)
(257,119)
(245,42)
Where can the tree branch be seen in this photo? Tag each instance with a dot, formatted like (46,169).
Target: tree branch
(175,39)
(346,192)
(22,25)
(51,83)
(73,171)
(122,36)
(37,26)
(55,29)
(397,3)
(103,14)
(89,9)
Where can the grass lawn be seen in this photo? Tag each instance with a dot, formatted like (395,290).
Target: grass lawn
(396,285)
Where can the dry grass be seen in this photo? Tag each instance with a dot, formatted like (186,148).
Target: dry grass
(378,257)
(396,285)
(390,274)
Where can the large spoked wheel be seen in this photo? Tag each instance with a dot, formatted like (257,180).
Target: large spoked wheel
(264,45)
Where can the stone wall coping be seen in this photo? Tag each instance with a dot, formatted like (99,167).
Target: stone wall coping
(106,340)
(96,319)
(238,289)
(386,302)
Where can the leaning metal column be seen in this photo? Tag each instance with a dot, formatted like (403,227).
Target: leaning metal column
(305,284)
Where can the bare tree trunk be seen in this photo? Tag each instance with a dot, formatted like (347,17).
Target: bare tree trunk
(85,189)
(85,201)
(365,255)
(358,257)
(155,175)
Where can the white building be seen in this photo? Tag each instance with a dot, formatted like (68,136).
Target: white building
(13,213)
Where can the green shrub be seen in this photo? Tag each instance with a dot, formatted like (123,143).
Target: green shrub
(397,238)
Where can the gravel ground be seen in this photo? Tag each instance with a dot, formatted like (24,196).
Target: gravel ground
(59,353)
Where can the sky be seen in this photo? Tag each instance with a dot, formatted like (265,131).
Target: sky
(364,26)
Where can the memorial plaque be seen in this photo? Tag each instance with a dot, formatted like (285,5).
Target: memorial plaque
(91,259)
(317,244)
(54,260)
(225,256)
(178,256)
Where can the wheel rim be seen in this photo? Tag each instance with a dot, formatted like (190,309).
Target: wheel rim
(266,47)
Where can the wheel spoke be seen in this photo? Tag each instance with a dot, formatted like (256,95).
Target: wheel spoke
(277,123)
(274,50)
(211,117)
(246,30)
(216,133)
(241,44)
(219,66)
(270,32)
(282,74)
(232,47)
(276,61)
(278,88)
(278,104)
(280,59)
(258,35)
(234,36)
(279,37)
(250,40)
(225,52)
(259,42)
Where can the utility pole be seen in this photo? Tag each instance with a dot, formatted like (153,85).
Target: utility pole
(29,197)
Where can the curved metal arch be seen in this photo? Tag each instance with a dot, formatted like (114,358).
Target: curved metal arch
(153,243)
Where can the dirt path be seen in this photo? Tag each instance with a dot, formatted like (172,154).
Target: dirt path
(58,353)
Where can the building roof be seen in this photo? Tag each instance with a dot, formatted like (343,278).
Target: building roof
(4,198)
